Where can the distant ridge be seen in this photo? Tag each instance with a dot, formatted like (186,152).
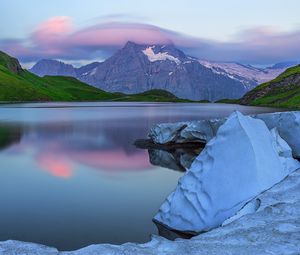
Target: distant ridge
(137,67)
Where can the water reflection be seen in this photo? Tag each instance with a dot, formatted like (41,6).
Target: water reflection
(56,164)
(57,147)
(9,135)
(179,159)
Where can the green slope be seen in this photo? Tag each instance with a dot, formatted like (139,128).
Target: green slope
(155,95)
(18,85)
(283,91)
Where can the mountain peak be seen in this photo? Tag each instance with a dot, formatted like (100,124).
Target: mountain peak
(129,43)
(156,52)
(52,67)
(52,61)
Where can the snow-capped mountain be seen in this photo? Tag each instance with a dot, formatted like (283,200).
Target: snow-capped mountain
(136,68)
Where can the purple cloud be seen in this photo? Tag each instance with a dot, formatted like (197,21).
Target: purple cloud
(57,38)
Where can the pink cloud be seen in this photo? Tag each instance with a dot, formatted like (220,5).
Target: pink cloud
(117,34)
(54,29)
(57,38)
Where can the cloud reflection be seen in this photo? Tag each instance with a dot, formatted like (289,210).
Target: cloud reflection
(58,166)
(58,148)
(115,160)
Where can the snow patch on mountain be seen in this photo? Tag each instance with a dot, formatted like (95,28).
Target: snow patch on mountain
(160,56)
(93,72)
(243,72)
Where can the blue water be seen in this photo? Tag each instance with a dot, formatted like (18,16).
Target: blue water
(70,175)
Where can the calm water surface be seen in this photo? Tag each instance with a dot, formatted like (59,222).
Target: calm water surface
(70,175)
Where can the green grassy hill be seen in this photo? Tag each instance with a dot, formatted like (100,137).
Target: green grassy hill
(155,95)
(283,91)
(19,85)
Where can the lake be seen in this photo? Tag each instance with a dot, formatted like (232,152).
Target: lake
(70,175)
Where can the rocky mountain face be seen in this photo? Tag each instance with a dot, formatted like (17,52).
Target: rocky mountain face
(53,68)
(137,68)
(84,70)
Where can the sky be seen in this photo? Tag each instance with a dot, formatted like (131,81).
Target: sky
(80,31)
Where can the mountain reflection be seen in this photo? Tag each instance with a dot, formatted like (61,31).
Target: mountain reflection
(179,159)
(9,135)
(59,147)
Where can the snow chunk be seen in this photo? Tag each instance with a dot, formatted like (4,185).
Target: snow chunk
(288,126)
(250,207)
(182,132)
(161,56)
(166,132)
(238,164)
(12,247)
